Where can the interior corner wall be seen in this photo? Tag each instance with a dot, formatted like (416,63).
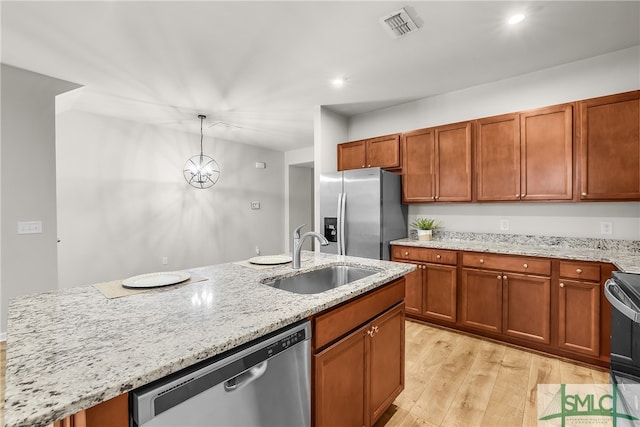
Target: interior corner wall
(329,130)
(28,183)
(123,204)
(292,158)
(614,72)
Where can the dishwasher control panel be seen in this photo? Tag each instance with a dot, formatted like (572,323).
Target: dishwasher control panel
(286,342)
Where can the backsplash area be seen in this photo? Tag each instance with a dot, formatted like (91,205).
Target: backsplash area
(550,241)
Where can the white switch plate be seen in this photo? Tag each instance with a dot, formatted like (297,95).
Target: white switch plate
(606,227)
(255,205)
(165,260)
(29,227)
(504,224)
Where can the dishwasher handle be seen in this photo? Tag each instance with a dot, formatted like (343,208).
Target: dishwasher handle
(620,301)
(246,377)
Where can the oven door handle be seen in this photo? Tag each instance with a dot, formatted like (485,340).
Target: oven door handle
(624,305)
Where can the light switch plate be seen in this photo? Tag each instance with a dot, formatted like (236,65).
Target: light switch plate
(606,227)
(29,227)
(504,224)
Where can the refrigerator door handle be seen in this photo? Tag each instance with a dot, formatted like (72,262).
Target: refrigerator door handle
(338,225)
(342,220)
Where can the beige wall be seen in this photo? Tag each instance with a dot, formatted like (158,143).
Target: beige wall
(28,183)
(123,203)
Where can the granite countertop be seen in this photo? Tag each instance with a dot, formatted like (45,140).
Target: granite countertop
(624,254)
(71,349)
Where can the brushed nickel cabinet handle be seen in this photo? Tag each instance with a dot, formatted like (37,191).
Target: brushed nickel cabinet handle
(583,194)
(578,270)
(438,257)
(562,285)
(368,166)
(406,253)
(481,261)
(499,277)
(517,195)
(525,265)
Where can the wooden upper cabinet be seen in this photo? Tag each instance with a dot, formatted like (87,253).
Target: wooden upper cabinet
(610,147)
(437,164)
(546,152)
(526,156)
(498,158)
(453,162)
(352,155)
(383,152)
(418,181)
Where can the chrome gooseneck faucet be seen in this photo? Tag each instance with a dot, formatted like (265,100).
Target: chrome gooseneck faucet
(298,241)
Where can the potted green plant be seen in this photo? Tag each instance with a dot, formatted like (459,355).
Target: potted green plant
(425,227)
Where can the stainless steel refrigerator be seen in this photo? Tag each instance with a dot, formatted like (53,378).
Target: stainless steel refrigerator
(361,211)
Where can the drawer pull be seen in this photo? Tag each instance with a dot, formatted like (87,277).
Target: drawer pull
(517,195)
(562,285)
(525,265)
(438,257)
(583,194)
(578,270)
(369,166)
(499,277)
(406,254)
(481,261)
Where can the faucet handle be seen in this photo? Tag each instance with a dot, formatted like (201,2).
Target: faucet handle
(296,233)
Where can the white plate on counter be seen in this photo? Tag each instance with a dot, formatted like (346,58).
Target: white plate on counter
(153,280)
(270,259)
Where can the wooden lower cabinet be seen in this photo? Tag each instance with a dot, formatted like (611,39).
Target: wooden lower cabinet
(513,304)
(359,376)
(579,317)
(526,307)
(440,292)
(341,375)
(481,300)
(111,413)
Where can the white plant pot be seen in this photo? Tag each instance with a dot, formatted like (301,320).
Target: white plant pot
(425,234)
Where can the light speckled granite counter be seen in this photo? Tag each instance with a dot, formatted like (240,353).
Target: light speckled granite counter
(72,349)
(624,254)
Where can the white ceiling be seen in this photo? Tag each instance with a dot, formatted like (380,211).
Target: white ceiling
(263,66)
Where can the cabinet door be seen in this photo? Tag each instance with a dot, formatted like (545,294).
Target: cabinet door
(546,152)
(610,147)
(481,300)
(526,301)
(453,162)
(351,155)
(383,152)
(498,158)
(440,292)
(387,361)
(341,382)
(418,179)
(579,317)
(413,291)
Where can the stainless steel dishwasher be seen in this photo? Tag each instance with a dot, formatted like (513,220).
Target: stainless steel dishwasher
(263,383)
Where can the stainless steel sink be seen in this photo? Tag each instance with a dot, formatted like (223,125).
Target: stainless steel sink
(316,281)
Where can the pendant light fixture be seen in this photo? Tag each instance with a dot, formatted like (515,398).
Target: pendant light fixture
(201,171)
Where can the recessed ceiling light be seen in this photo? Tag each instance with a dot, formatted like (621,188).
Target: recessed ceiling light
(514,19)
(338,82)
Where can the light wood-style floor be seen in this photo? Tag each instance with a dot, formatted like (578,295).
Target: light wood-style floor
(452,379)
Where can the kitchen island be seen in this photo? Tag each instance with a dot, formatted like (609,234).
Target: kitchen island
(72,349)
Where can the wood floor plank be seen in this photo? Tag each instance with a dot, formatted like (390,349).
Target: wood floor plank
(543,370)
(506,404)
(470,404)
(440,391)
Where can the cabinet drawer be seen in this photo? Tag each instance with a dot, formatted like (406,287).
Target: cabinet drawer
(335,323)
(580,270)
(515,264)
(436,256)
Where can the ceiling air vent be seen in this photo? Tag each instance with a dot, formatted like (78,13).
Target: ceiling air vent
(398,23)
